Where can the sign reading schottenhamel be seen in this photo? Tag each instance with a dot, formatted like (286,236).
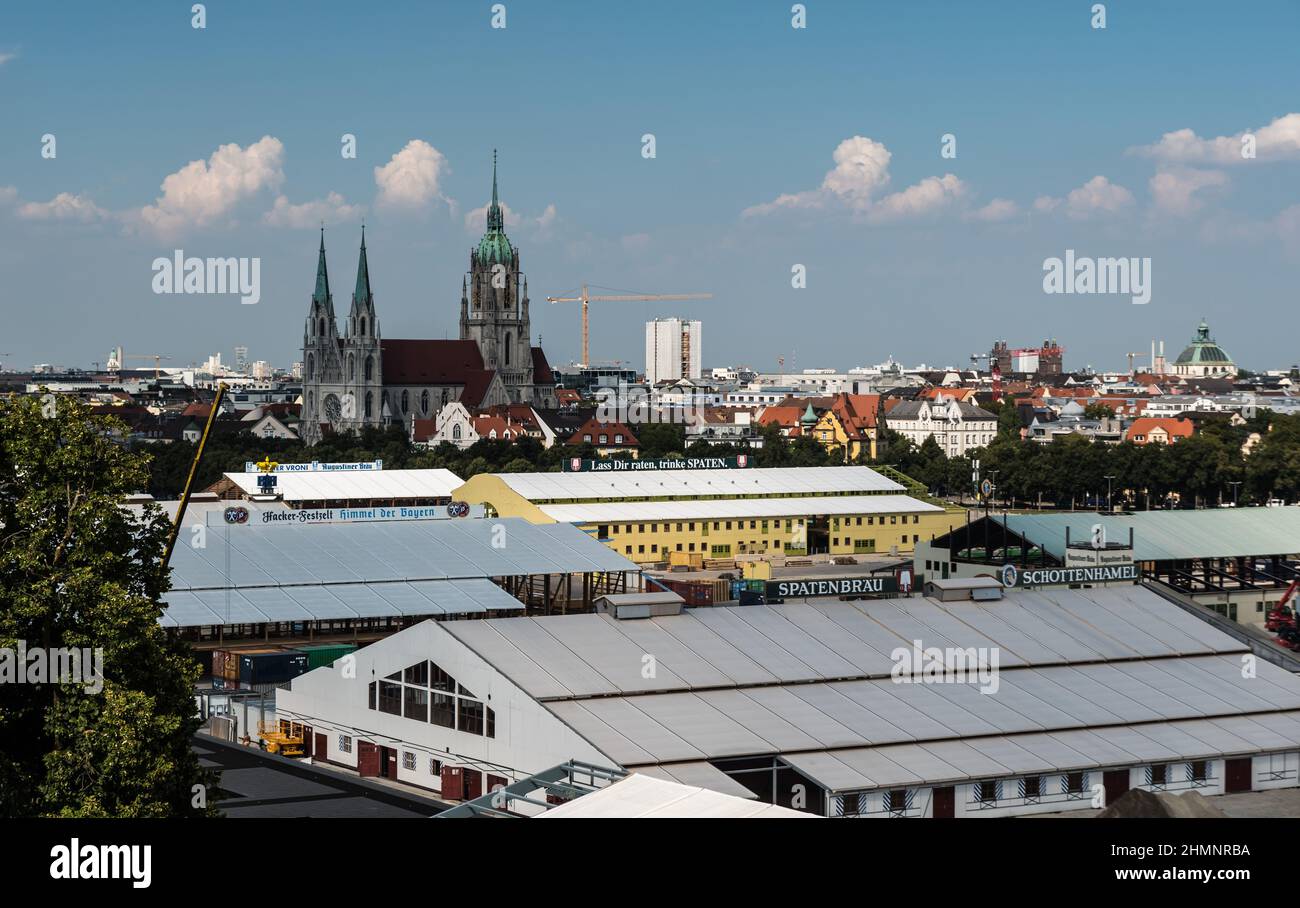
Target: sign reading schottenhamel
(1011,575)
(1124,276)
(830,586)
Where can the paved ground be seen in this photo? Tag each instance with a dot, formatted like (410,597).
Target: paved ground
(256,784)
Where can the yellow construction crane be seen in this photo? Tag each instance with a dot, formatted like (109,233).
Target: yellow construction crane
(157,361)
(588,298)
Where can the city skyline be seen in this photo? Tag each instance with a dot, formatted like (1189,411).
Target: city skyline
(819,147)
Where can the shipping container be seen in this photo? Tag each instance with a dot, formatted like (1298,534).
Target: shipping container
(323,654)
(271,666)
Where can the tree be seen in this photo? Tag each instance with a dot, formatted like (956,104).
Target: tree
(78,570)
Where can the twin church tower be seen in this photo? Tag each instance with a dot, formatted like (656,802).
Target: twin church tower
(359,378)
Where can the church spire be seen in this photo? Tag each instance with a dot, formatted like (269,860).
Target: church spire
(495,221)
(322,294)
(361,296)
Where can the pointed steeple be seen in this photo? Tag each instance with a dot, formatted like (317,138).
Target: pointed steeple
(322,294)
(495,220)
(361,296)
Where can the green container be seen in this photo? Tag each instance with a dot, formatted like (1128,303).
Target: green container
(322,654)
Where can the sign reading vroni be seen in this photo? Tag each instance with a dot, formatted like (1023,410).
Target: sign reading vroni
(1011,575)
(316,466)
(578,465)
(812,588)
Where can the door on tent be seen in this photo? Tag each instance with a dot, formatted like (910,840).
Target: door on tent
(367,759)
(945,802)
(1236,774)
(322,749)
(1115,781)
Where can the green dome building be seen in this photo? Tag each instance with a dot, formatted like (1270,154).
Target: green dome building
(1204,358)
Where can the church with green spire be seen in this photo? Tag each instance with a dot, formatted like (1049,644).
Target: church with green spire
(359,378)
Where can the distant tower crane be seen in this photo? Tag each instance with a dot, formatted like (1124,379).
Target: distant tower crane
(995,371)
(157,361)
(588,298)
(1131,356)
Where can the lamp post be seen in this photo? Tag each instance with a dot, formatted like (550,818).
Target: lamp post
(994,475)
(1109,508)
(1234,491)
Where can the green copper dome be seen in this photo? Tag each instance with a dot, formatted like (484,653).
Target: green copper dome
(495,246)
(1203,349)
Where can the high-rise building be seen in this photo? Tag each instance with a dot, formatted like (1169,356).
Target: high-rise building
(672,350)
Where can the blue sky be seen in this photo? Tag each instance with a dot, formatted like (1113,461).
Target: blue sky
(1057,124)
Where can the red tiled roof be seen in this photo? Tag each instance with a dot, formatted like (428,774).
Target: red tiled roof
(595,428)
(541,368)
(1176,428)
(423,429)
(430,362)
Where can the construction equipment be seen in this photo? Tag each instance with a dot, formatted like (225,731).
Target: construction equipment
(281,737)
(189,480)
(1131,355)
(587,298)
(157,361)
(1280,617)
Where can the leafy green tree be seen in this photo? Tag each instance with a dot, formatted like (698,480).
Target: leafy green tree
(78,570)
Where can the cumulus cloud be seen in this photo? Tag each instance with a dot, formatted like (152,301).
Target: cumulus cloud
(412,177)
(203,192)
(994,211)
(5,58)
(1278,141)
(860,174)
(547,217)
(1098,196)
(931,195)
(63,207)
(333,209)
(1174,191)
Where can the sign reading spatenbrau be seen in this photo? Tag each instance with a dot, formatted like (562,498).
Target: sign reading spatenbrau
(578,465)
(831,586)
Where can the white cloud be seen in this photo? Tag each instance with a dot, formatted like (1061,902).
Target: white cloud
(1279,140)
(931,195)
(547,217)
(1096,197)
(63,207)
(333,209)
(412,177)
(860,174)
(635,242)
(201,193)
(1174,191)
(5,58)
(996,210)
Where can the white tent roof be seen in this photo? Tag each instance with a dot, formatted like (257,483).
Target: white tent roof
(698,483)
(623,512)
(640,795)
(346,485)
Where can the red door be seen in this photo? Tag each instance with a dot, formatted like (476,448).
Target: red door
(367,759)
(945,802)
(453,783)
(495,782)
(473,784)
(1236,774)
(307,740)
(1115,781)
(322,749)
(392,763)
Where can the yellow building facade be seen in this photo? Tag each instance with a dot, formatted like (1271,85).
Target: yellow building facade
(646,527)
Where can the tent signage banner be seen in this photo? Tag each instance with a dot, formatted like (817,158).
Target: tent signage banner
(1013,576)
(579,465)
(816,588)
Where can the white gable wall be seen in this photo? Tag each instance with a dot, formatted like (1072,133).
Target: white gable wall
(528,737)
